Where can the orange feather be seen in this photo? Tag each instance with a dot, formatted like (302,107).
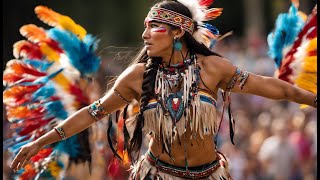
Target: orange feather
(213,13)
(20,112)
(47,15)
(55,19)
(15,93)
(33,33)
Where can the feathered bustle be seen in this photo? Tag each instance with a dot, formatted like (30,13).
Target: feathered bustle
(42,89)
(293,46)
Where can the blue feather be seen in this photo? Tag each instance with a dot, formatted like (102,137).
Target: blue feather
(44,92)
(56,109)
(15,139)
(40,65)
(15,148)
(44,174)
(91,42)
(80,53)
(70,146)
(288,25)
(214,30)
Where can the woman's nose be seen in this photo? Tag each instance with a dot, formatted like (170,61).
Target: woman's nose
(145,34)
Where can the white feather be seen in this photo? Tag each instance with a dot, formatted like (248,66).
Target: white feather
(197,11)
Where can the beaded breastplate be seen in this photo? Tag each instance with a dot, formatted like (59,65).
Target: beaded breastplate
(179,104)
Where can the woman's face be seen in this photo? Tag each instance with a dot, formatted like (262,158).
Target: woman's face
(158,39)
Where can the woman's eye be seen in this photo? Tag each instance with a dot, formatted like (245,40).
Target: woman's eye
(153,25)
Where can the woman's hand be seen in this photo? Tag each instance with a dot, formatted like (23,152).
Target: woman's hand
(25,154)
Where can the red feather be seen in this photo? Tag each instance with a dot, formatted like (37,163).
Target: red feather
(26,49)
(30,125)
(20,67)
(43,153)
(10,78)
(54,45)
(81,98)
(205,2)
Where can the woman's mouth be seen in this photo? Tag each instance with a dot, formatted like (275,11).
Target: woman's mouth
(147,44)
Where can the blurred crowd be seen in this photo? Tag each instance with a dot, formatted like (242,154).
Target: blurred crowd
(274,140)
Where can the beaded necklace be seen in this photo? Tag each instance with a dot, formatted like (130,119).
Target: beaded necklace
(185,73)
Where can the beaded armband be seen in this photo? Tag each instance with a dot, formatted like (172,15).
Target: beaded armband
(97,111)
(243,79)
(234,79)
(60,132)
(121,97)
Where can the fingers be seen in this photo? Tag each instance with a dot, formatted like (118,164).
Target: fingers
(26,160)
(17,161)
(21,161)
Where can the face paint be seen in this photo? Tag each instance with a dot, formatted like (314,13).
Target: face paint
(159,29)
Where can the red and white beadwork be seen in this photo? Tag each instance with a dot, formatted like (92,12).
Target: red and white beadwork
(170,17)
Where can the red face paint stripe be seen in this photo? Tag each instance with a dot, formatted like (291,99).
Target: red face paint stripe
(159,29)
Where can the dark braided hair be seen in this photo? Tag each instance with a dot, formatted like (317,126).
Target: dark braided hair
(149,76)
(148,93)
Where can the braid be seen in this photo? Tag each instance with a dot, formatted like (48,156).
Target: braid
(148,93)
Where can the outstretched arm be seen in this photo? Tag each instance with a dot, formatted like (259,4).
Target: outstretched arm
(267,87)
(125,85)
(277,89)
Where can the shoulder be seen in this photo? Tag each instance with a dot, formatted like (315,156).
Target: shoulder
(218,67)
(130,80)
(135,69)
(133,72)
(213,61)
(215,65)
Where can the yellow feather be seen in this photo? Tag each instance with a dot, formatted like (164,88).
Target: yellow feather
(310,64)
(307,78)
(306,85)
(51,54)
(62,81)
(68,24)
(312,45)
(303,106)
(54,168)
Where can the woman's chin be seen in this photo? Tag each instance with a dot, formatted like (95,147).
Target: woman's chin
(150,53)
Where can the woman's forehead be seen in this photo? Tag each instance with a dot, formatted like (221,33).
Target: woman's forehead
(152,21)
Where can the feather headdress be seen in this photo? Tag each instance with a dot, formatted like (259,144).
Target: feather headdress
(205,33)
(42,89)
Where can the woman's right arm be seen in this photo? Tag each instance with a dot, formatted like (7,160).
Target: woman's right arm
(126,85)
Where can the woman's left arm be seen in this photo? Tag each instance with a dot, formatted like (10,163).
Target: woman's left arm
(268,87)
(276,89)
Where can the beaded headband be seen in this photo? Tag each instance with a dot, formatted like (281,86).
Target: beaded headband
(170,17)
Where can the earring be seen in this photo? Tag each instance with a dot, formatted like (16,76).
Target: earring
(177,44)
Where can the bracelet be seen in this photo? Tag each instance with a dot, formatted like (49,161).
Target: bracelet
(315,102)
(243,79)
(60,132)
(97,111)
(121,97)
